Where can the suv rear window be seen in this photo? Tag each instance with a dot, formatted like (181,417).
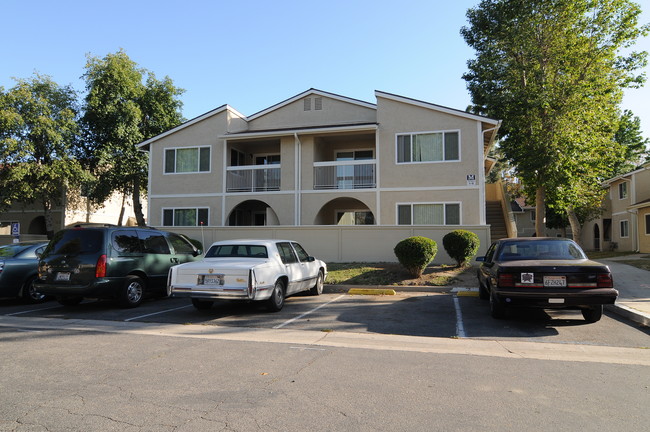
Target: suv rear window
(75,242)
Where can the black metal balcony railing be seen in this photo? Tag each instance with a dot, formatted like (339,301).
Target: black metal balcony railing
(254,178)
(345,175)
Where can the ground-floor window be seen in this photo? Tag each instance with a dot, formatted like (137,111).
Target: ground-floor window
(353,217)
(625,229)
(647,224)
(428,214)
(185,216)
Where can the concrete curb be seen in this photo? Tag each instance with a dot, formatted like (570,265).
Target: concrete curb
(630,313)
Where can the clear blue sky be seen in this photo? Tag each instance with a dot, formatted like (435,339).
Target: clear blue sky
(253,54)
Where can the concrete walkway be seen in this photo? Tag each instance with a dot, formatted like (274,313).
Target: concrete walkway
(633,285)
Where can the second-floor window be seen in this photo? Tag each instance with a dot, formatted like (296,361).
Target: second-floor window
(187,160)
(622,190)
(428,147)
(428,214)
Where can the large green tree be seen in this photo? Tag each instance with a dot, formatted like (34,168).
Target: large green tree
(635,147)
(554,72)
(38,144)
(122,109)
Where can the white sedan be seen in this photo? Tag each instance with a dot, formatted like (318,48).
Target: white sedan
(250,270)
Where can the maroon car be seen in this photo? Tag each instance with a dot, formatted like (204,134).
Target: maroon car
(551,273)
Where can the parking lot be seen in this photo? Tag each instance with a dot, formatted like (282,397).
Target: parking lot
(425,314)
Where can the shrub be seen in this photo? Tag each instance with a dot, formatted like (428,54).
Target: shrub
(415,253)
(461,245)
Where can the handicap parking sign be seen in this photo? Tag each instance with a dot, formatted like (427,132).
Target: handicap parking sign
(15,228)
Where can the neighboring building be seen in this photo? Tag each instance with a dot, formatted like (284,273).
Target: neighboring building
(525,219)
(349,176)
(31,217)
(625,222)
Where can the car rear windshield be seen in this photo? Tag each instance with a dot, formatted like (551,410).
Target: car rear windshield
(75,241)
(242,251)
(540,250)
(12,250)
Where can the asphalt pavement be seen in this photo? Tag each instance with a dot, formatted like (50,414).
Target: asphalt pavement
(633,285)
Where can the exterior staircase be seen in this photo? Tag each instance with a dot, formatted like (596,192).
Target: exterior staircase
(494,218)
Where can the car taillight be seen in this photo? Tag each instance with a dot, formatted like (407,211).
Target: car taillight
(605,280)
(506,280)
(100,269)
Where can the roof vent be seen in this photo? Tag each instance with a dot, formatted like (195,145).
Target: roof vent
(307,102)
(318,103)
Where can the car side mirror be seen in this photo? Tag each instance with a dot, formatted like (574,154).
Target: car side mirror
(197,252)
(480,259)
(311,259)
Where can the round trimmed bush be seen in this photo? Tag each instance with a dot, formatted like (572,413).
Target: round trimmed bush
(415,254)
(461,245)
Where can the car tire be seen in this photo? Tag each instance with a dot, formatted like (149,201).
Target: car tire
(202,304)
(483,293)
(497,310)
(318,288)
(69,300)
(29,293)
(276,301)
(593,314)
(132,292)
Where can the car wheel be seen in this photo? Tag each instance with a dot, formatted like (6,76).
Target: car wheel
(318,288)
(497,310)
(593,313)
(69,300)
(483,293)
(276,301)
(29,293)
(132,292)
(202,304)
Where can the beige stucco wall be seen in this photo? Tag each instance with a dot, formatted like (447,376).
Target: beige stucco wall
(293,115)
(644,238)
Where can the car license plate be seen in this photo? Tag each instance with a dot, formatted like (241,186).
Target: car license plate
(63,276)
(216,279)
(554,281)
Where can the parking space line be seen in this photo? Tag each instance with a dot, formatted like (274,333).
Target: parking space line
(32,310)
(156,313)
(460,328)
(307,313)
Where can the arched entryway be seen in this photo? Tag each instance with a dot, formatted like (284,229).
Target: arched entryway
(37,226)
(252,213)
(345,211)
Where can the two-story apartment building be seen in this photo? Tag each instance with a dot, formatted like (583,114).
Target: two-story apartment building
(348,178)
(625,222)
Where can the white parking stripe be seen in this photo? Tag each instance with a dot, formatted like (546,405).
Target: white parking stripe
(460,328)
(307,313)
(156,313)
(33,310)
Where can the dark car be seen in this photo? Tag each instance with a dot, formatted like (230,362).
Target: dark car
(19,270)
(549,273)
(111,262)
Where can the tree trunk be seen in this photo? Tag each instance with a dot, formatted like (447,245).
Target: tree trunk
(119,219)
(540,212)
(576,228)
(137,206)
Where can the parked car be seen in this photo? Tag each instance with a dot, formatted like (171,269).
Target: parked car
(110,262)
(249,270)
(545,273)
(19,270)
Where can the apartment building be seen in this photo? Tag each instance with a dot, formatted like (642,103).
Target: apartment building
(350,176)
(625,222)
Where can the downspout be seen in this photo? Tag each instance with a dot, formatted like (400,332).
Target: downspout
(481,171)
(224,169)
(297,176)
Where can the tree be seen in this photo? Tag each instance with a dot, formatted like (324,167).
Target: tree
(629,136)
(38,140)
(121,110)
(553,72)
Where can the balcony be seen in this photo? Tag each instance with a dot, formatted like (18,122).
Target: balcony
(353,174)
(252,178)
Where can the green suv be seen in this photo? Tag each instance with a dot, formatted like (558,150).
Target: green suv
(110,262)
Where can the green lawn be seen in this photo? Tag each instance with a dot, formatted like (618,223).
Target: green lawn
(389,274)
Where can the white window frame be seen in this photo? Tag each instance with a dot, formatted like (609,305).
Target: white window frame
(627,228)
(445,203)
(412,134)
(622,190)
(198,161)
(162,219)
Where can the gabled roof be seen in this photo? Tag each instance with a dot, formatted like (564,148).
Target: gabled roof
(145,144)
(435,107)
(644,166)
(311,91)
